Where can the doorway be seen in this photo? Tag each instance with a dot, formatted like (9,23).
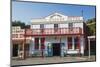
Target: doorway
(56,49)
(93,47)
(15,50)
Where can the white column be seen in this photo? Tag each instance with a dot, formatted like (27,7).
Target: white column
(73,43)
(32,46)
(82,45)
(66,43)
(19,49)
(39,43)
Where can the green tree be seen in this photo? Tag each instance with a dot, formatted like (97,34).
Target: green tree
(91,26)
(21,24)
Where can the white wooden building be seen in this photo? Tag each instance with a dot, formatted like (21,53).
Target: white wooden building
(56,35)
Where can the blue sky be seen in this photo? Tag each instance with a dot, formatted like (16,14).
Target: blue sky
(25,11)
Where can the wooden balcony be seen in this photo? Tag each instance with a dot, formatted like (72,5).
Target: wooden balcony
(52,31)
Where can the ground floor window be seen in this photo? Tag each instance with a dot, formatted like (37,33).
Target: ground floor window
(15,50)
(69,42)
(36,43)
(42,43)
(76,42)
(27,47)
(73,43)
(27,50)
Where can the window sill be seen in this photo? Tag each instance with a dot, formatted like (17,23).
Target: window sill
(73,49)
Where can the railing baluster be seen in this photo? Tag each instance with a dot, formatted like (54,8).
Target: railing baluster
(48,31)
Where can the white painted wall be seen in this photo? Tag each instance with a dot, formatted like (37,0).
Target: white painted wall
(79,25)
(72,51)
(49,26)
(60,25)
(63,25)
(52,40)
(35,26)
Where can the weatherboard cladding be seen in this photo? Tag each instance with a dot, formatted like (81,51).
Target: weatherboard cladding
(57,18)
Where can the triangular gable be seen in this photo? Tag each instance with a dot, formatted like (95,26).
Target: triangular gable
(56,16)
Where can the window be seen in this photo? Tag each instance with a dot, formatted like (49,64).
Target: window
(70,26)
(42,27)
(69,42)
(76,42)
(27,47)
(55,27)
(16,35)
(21,35)
(42,43)
(36,43)
(13,35)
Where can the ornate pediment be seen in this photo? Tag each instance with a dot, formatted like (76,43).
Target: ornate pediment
(55,16)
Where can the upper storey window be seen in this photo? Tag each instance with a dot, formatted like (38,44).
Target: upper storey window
(70,26)
(42,27)
(55,27)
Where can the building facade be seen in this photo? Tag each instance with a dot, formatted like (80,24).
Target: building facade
(19,42)
(54,35)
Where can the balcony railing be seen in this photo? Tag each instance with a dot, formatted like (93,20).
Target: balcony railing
(52,31)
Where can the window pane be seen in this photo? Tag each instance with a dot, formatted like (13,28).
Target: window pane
(42,43)
(70,25)
(16,35)
(76,42)
(41,26)
(36,43)
(69,42)
(55,25)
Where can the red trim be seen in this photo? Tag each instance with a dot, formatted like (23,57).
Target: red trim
(50,31)
(54,34)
